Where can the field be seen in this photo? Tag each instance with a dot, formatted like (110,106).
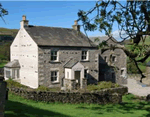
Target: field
(2,64)
(131,107)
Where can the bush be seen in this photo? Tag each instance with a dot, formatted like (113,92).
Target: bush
(102,85)
(44,88)
(12,83)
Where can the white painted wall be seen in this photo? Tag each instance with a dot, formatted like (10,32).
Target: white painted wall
(66,72)
(78,67)
(25,50)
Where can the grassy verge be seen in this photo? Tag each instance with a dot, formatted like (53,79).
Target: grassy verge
(132,107)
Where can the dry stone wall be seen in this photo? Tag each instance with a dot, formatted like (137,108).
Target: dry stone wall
(101,97)
(3,85)
(1,71)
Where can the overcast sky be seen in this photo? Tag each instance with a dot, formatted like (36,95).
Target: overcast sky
(47,13)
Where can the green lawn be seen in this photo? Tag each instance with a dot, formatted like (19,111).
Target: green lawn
(18,107)
(2,64)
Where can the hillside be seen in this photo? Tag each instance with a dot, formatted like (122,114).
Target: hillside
(7,35)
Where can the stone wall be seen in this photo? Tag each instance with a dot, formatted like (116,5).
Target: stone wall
(70,84)
(1,71)
(3,85)
(119,64)
(113,95)
(148,71)
(46,65)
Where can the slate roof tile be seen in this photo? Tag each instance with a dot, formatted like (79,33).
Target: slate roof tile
(54,36)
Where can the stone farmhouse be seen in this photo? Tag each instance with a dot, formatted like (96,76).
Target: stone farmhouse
(61,57)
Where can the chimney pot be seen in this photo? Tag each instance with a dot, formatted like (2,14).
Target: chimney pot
(75,22)
(24,22)
(24,17)
(76,26)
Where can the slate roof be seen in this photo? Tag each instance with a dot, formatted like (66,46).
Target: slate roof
(101,39)
(13,64)
(148,64)
(54,36)
(70,63)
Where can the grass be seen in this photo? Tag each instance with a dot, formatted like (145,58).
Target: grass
(17,106)
(2,64)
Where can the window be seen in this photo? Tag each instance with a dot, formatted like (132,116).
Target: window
(8,74)
(105,58)
(54,76)
(113,58)
(122,72)
(53,55)
(113,75)
(85,73)
(67,74)
(84,55)
(17,73)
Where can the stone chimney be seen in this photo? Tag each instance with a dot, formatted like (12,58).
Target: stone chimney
(23,22)
(76,26)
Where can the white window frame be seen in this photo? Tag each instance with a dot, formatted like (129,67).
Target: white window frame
(9,70)
(87,55)
(57,55)
(57,74)
(16,73)
(124,72)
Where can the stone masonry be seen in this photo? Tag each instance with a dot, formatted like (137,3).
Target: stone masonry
(2,96)
(45,65)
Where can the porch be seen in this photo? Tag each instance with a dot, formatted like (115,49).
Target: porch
(74,75)
(11,70)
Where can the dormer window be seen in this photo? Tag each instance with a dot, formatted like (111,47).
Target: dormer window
(54,55)
(84,55)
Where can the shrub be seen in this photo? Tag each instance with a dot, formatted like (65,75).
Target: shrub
(102,85)
(42,88)
(117,85)
(12,83)
(92,87)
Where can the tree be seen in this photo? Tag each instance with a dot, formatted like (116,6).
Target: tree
(3,12)
(133,19)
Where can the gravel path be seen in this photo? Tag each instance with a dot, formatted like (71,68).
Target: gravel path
(137,88)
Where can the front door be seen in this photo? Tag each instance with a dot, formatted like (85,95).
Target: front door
(102,77)
(77,77)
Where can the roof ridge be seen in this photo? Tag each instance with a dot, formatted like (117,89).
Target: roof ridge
(50,27)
